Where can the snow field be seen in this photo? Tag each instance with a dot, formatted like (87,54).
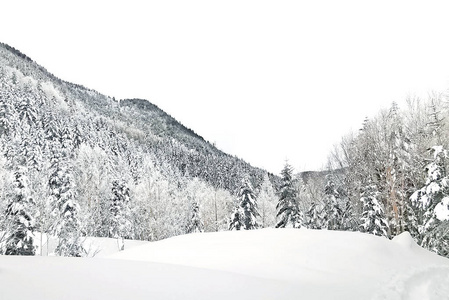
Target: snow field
(57,278)
(320,264)
(255,264)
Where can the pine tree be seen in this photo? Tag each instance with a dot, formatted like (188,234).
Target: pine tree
(288,213)
(120,213)
(373,217)
(440,241)
(19,239)
(27,111)
(195,224)
(333,213)
(6,113)
(236,221)
(433,230)
(62,200)
(411,212)
(314,217)
(248,204)
(348,220)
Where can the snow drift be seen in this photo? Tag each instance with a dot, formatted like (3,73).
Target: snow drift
(257,264)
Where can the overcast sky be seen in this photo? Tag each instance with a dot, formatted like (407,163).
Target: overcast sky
(264,80)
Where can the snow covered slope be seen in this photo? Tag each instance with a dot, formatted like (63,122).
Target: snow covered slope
(59,278)
(319,264)
(259,264)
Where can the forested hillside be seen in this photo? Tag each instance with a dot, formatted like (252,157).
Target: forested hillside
(76,162)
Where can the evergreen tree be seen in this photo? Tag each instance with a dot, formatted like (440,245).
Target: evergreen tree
(195,224)
(6,114)
(433,230)
(440,243)
(314,217)
(348,221)
(19,234)
(248,205)
(27,111)
(373,216)
(120,213)
(333,213)
(288,210)
(62,200)
(236,221)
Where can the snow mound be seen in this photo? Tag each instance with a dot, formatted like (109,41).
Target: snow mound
(405,240)
(322,264)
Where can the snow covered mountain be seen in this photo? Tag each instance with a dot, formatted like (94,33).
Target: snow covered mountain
(256,264)
(137,122)
(94,145)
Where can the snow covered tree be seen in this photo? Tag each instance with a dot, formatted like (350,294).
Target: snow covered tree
(248,204)
(288,210)
(411,219)
(333,213)
(27,111)
(6,114)
(267,203)
(195,224)
(93,175)
(236,220)
(373,217)
(348,220)
(19,235)
(399,171)
(314,217)
(435,124)
(67,225)
(431,202)
(120,213)
(440,243)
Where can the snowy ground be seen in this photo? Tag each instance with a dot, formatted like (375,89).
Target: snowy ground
(261,264)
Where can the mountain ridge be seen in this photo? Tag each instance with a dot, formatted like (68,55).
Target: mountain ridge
(59,135)
(111,101)
(98,102)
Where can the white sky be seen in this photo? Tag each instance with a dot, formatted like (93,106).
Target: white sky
(265,80)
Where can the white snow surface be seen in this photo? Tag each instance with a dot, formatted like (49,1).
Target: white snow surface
(442,210)
(256,264)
